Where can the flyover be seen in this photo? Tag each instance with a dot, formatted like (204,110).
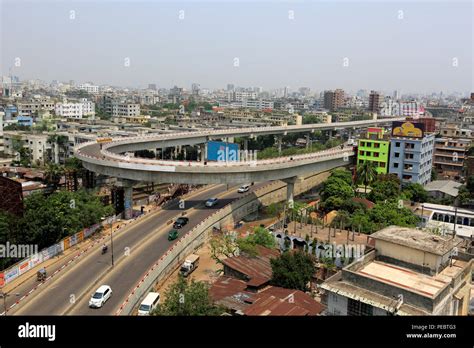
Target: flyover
(108,158)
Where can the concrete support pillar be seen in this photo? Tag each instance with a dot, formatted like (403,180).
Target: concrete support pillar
(127,197)
(279,142)
(246,144)
(175,152)
(203,152)
(290,189)
(308,141)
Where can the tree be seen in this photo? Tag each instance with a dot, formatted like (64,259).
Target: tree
(53,175)
(366,173)
(415,192)
(187,298)
(384,190)
(335,187)
(261,236)
(342,174)
(292,270)
(223,245)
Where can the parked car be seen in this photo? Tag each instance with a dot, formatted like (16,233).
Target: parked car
(180,222)
(101,295)
(172,235)
(211,202)
(243,188)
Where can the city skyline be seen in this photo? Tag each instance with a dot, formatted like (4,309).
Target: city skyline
(215,44)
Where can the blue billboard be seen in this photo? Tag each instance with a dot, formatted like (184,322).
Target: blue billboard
(222,152)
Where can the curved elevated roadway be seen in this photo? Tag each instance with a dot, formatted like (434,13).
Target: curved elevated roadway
(108,158)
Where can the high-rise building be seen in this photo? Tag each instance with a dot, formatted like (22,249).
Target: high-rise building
(449,157)
(374,147)
(411,152)
(152,86)
(374,101)
(195,87)
(333,100)
(230,87)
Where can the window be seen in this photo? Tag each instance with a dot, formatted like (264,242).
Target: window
(397,154)
(361,153)
(376,154)
(357,308)
(397,144)
(376,145)
(382,164)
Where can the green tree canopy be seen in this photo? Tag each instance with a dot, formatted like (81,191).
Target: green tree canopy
(415,192)
(187,298)
(292,270)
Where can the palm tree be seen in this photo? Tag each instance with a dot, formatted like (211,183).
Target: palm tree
(53,175)
(366,173)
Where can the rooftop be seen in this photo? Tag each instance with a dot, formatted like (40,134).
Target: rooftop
(411,280)
(449,187)
(257,269)
(416,239)
(232,293)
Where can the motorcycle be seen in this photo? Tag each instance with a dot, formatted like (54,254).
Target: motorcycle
(104,249)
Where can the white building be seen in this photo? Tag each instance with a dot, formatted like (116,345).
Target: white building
(83,108)
(125,109)
(89,88)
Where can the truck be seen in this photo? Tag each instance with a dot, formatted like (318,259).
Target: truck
(189,265)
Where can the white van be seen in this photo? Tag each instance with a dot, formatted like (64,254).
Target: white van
(149,303)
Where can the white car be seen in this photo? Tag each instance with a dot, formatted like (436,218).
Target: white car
(243,188)
(101,295)
(211,202)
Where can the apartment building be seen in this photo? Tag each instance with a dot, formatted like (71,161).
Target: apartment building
(410,272)
(374,101)
(36,143)
(120,109)
(411,153)
(83,108)
(374,146)
(333,100)
(31,108)
(449,157)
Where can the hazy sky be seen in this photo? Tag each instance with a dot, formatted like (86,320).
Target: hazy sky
(410,46)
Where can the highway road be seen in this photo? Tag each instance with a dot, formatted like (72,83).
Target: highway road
(135,250)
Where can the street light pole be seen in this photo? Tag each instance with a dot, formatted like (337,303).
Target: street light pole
(112,242)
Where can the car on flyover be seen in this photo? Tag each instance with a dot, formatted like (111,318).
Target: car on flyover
(101,295)
(172,235)
(211,202)
(180,222)
(243,188)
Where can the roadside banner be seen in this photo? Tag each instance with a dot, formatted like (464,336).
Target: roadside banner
(11,274)
(66,243)
(80,236)
(24,266)
(36,259)
(72,240)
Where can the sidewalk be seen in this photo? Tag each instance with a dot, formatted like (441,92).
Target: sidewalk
(53,264)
